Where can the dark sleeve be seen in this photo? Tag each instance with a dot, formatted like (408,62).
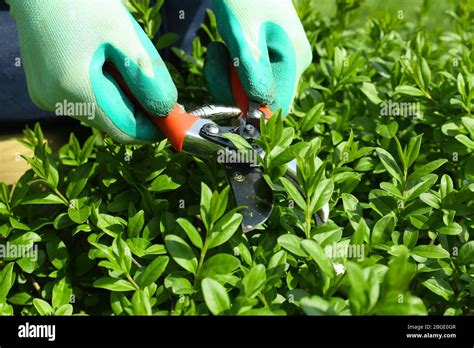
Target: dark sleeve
(15,103)
(184,17)
(3,5)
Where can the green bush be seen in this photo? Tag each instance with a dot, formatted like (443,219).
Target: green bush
(382,129)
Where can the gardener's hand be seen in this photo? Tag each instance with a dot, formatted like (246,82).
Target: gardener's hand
(268,46)
(64,46)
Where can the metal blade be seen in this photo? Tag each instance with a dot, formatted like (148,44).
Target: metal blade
(251,190)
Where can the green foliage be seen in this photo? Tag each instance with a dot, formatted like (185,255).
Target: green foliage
(142,230)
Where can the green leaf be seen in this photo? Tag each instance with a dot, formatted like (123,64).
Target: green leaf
(31,263)
(135,224)
(358,298)
(215,296)
(293,192)
(311,118)
(430,251)
(440,287)
(425,72)
(446,186)
(123,254)
(26,239)
(191,232)
(382,202)
(7,278)
(205,206)
(179,285)
(465,141)
(6,309)
(292,243)
(219,203)
(18,225)
(20,298)
(431,199)
(322,195)
(319,256)
(219,264)
(276,267)
(88,148)
(370,91)
(409,90)
(64,310)
(62,221)
(413,149)
(339,56)
(426,169)
(466,254)
(461,86)
(78,180)
(113,284)
(181,253)
(164,183)
(353,210)
(387,130)
(239,142)
(411,305)
(224,229)
(452,229)
(400,271)
(79,215)
(43,307)
(153,271)
(392,189)
(111,225)
(141,303)
(57,252)
(383,229)
(254,281)
(390,165)
(316,306)
(415,189)
(42,198)
(410,237)
(62,292)
(167,40)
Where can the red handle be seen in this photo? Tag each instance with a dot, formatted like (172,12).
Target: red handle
(174,126)
(241,98)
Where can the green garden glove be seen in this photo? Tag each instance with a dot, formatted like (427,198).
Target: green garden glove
(268,46)
(64,45)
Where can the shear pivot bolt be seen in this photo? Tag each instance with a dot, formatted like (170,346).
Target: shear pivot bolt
(212,129)
(249,129)
(239,177)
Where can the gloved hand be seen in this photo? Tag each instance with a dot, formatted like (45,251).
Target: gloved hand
(64,45)
(268,46)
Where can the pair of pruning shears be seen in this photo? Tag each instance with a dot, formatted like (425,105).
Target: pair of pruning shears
(199,133)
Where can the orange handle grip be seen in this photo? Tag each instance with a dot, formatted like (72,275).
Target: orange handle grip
(241,98)
(175,126)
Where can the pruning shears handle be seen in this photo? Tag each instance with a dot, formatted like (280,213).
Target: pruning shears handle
(176,125)
(241,98)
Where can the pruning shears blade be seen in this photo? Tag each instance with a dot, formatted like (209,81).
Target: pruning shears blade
(252,192)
